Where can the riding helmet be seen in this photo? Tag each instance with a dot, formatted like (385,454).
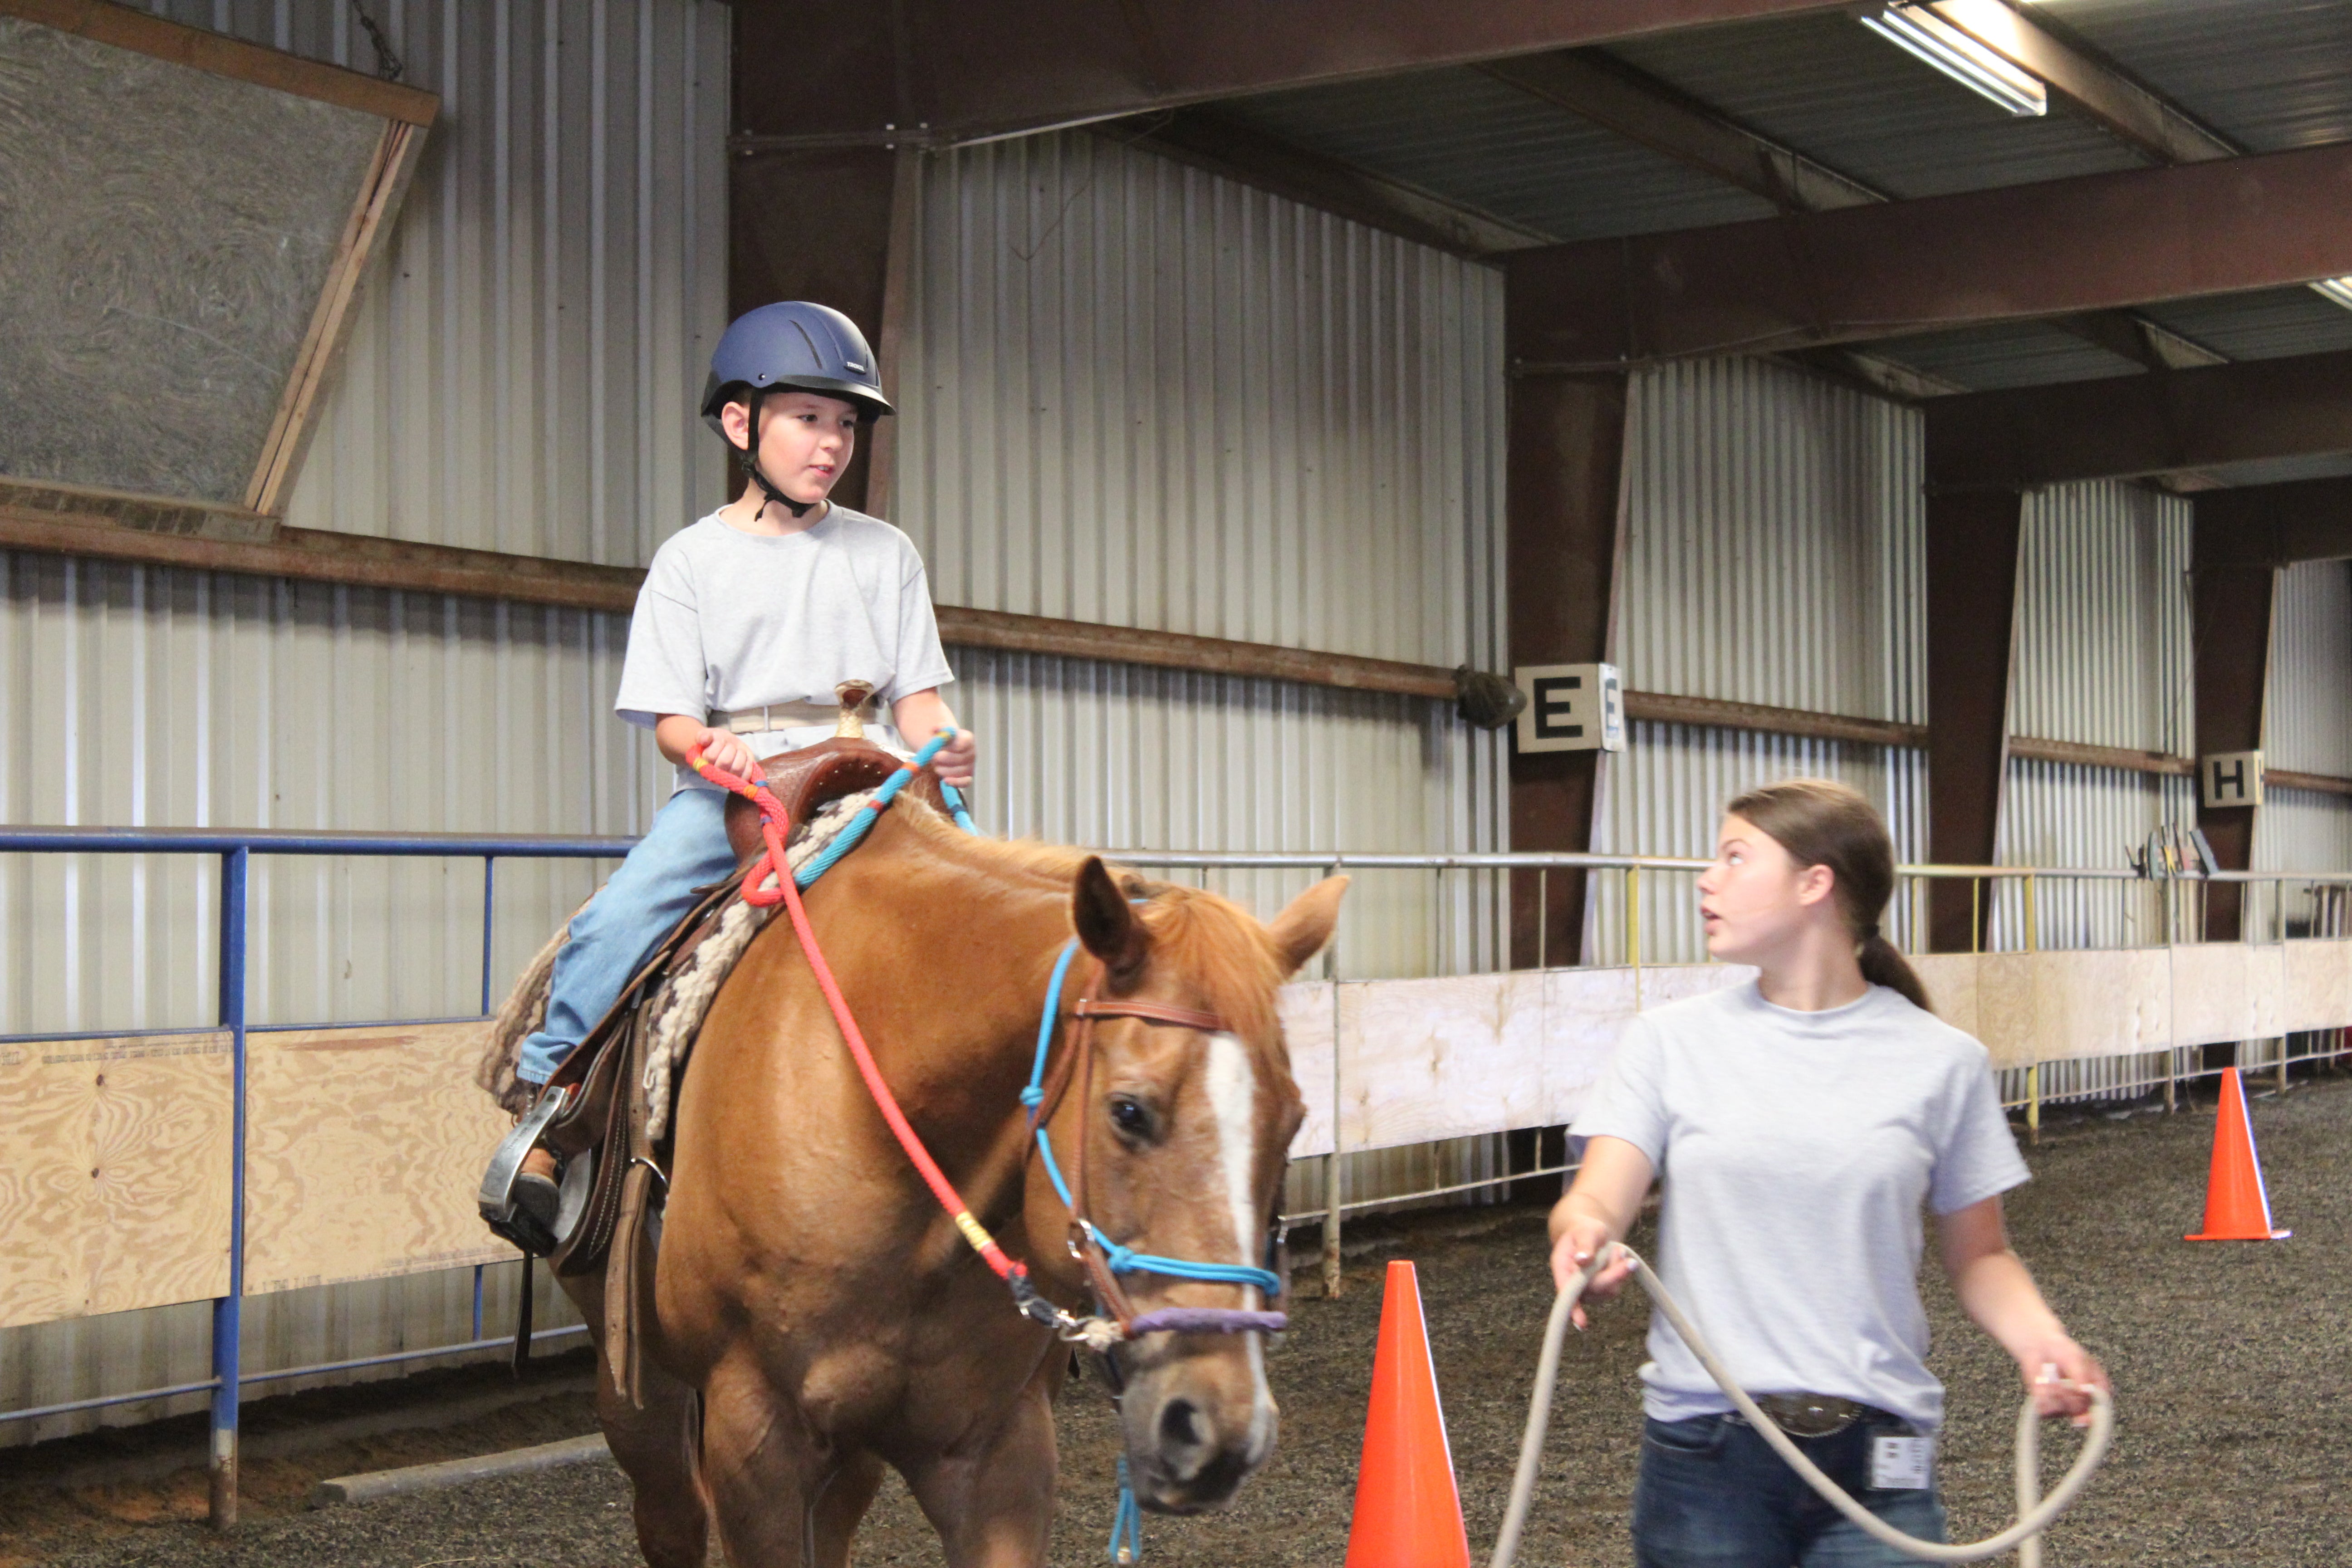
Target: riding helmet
(794,344)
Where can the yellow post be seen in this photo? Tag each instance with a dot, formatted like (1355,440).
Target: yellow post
(1634,915)
(1976,912)
(2032,935)
(2033,1104)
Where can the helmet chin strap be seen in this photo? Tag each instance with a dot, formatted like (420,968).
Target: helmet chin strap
(748,457)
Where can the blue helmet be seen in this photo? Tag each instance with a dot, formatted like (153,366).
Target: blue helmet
(798,344)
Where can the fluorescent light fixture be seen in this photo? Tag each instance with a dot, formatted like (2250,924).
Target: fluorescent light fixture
(1920,32)
(2336,290)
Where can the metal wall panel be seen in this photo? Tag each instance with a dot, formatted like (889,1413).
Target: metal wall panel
(2103,659)
(1773,554)
(2307,716)
(2102,650)
(1136,394)
(1775,538)
(521,376)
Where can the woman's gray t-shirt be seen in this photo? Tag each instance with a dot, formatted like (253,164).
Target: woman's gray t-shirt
(1797,1150)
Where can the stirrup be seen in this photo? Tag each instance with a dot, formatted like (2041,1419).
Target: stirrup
(501,1212)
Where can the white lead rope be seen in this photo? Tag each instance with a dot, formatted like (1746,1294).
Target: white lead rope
(2035,1513)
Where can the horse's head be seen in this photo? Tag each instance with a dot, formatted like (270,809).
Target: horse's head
(1187,1130)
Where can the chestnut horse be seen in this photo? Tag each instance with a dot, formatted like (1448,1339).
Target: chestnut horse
(815,1313)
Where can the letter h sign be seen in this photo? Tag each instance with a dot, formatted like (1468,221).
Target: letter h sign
(2231,778)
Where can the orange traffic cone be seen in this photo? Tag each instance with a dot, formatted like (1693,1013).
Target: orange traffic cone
(2237,1208)
(1408,1514)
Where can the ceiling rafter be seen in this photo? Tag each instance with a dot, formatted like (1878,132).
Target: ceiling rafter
(1596,86)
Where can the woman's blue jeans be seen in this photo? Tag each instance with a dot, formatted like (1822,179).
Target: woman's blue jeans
(613,936)
(1713,1494)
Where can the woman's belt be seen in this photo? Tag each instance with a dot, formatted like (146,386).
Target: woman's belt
(1813,1415)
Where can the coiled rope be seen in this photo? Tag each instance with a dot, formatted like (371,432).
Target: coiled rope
(2035,1513)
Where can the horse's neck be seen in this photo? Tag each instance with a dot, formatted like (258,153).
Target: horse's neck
(961,1052)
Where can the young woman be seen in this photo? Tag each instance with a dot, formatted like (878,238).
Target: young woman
(1800,1121)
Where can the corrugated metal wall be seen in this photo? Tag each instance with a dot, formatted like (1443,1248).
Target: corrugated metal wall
(2307,722)
(1773,555)
(2103,659)
(521,377)
(1138,394)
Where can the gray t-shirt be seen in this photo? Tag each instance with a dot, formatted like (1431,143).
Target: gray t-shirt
(1796,1150)
(728,620)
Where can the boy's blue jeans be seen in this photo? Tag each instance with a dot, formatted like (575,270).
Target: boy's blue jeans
(1713,1494)
(611,939)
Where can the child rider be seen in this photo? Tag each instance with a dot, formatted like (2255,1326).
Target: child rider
(748,622)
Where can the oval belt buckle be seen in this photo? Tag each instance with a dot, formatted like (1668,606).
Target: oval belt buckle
(1811,1414)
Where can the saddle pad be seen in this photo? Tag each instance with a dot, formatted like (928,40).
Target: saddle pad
(676,1008)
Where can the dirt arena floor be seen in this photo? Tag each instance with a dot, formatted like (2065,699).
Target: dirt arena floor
(2233,1365)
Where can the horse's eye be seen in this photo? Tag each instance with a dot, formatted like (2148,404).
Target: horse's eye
(1129,1116)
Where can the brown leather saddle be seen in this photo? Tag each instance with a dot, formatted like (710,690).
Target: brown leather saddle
(604,1128)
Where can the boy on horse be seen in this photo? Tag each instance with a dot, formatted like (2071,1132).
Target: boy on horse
(750,623)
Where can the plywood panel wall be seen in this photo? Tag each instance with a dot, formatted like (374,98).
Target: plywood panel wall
(364,1147)
(114,1174)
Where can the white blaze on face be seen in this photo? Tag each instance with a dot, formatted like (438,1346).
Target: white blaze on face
(1233,1098)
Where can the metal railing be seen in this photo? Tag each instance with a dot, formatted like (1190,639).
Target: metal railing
(1487,883)
(236,850)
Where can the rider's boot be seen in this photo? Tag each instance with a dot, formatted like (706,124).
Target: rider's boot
(536,1187)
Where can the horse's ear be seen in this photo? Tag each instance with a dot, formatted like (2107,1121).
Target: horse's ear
(1107,923)
(1300,930)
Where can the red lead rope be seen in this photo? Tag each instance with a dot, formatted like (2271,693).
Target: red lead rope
(774,827)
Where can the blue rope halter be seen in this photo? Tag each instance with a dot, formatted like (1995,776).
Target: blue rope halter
(1118,1258)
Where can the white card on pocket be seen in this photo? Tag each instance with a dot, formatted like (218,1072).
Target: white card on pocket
(1901,1464)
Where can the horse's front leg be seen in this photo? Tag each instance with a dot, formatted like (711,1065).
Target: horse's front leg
(994,1505)
(762,1467)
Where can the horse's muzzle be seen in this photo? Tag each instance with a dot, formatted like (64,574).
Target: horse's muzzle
(1189,1451)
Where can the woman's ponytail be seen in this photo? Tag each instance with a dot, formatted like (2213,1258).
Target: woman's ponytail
(1881,964)
(1822,823)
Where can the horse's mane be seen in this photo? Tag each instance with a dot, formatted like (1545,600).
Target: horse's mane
(1213,942)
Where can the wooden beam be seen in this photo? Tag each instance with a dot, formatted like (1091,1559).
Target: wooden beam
(1598,86)
(1659,708)
(1176,650)
(2125,427)
(1973,545)
(2094,242)
(2272,525)
(2229,649)
(126,28)
(955,72)
(2034,749)
(1224,147)
(2320,783)
(1564,562)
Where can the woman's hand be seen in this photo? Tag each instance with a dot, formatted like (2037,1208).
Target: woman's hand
(1599,1208)
(1580,1240)
(2060,1374)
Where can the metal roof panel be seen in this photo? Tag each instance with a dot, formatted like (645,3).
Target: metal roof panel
(2269,74)
(1827,86)
(1461,134)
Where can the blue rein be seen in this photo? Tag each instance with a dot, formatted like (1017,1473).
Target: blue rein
(1118,1259)
(857,827)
